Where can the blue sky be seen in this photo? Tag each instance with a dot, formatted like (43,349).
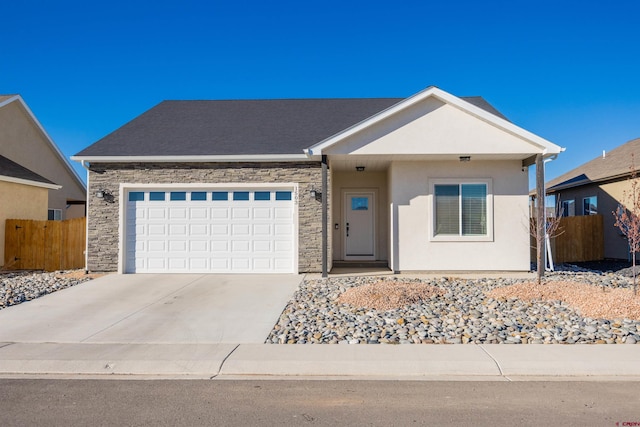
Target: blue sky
(568,71)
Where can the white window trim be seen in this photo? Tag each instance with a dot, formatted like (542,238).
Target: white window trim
(432,210)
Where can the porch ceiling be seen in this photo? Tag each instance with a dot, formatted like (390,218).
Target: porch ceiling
(382,162)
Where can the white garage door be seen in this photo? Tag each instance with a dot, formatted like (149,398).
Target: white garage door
(210,231)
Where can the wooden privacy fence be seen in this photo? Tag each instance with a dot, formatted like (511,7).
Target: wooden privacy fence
(582,239)
(44,245)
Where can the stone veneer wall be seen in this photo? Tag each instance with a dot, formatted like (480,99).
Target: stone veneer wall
(103,214)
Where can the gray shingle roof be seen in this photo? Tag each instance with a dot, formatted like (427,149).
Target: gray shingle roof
(12,169)
(616,163)
(240,127)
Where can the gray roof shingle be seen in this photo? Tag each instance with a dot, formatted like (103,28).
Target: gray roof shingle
(616,163)
(12,169)
(240,127)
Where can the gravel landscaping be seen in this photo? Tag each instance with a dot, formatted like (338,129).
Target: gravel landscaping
(19,286)
(360,310)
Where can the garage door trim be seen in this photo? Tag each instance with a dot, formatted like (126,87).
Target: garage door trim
(126,188)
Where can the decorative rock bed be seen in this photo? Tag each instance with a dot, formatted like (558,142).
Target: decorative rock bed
(453,311)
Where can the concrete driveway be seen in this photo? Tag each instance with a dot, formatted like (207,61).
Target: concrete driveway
(154,308)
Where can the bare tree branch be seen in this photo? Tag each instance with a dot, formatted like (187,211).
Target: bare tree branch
(628,217)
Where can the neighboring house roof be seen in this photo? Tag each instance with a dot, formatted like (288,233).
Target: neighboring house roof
(241,127)
(11,171)
(7,99)
(612,165)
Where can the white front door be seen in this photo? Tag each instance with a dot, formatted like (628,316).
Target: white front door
(359,225)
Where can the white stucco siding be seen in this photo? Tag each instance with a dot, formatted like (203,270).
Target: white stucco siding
(411,206)
(435,128)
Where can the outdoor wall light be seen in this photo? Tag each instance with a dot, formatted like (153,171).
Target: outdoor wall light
(316,194)
(465,158)
(360,168)
(313,193)
(104,194)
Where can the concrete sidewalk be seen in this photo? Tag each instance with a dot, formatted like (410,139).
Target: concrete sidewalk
(271,361)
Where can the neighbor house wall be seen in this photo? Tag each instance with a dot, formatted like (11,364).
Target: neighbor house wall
(377,181)
(609,196)
(411,206)
(103,234)
(22,141)
(19,201)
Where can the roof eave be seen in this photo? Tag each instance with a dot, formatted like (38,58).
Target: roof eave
(560,187)
(30,182)
(196,158)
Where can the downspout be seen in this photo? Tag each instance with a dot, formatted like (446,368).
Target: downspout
(86,165)
(325,217)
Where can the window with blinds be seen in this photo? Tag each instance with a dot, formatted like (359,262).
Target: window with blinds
(460,209)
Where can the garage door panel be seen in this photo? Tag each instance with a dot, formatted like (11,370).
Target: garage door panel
(240,246)
(240,213)
(157,213)
(198,264)
(240,229)
(219,230)
(156,263)
(220,213)
(283,229)
(261,264)
(262,229)
(157,230)
(198,213)
(178,213)
(198,246)
(156,246)
(242,264)
(198,230)
(178,229)
(178,264)
(210,231)
(220,245)
(262,246)
(220,264)
(282,246)
(283,213)
(178,246)
(262,213)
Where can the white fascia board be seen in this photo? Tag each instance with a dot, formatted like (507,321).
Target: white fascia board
(546,147)
(65,161)
(29,182)
(195,159)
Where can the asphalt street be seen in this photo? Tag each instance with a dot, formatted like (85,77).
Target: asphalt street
(104,402)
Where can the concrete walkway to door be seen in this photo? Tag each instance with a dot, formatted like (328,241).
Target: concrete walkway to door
(154,308)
